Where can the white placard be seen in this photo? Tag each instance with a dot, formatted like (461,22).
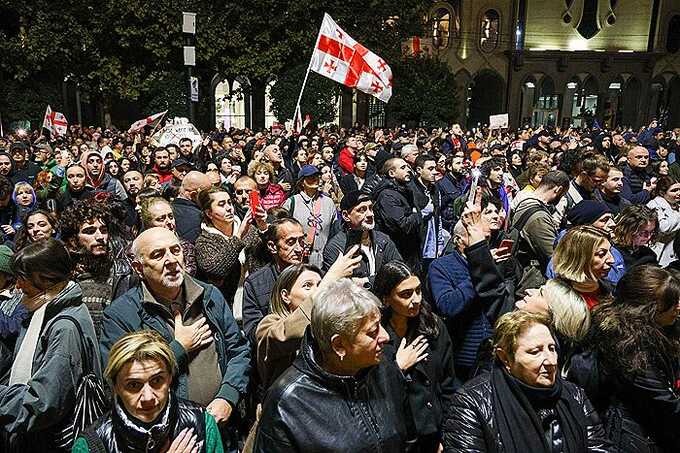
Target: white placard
(176,130)
(189,23)
(498,121)
(189,56)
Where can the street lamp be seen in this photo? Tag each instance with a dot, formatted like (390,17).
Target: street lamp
(189,30)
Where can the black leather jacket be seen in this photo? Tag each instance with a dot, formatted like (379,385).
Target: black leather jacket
(311,410)
(119,434)
(470,424)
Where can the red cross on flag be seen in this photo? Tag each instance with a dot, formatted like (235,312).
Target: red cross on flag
(137,125)
(55,122)
(340,58)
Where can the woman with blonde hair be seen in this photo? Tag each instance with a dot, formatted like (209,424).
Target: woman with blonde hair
(568,310)
(582,260)
(141,369)
(523,404)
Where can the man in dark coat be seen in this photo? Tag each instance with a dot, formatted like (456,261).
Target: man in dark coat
(376,247)
(213,358)
(285,242)
(396,212)
(451,186)
(636,179)
(187,213)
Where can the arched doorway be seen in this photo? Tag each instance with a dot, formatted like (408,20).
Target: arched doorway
(583,98)
(657,94)
(486,97)
(673,110)
(546,109)
(527,101)
(231,108)
(629,103)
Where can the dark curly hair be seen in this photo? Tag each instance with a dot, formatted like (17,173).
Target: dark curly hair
(626,333)
(78,213)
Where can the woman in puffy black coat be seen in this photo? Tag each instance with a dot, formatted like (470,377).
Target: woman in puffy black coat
(636,338)
(416,333)
(523,405)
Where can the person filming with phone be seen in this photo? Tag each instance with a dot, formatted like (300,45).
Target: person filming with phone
(376,248)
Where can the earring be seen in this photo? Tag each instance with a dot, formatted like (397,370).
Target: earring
(342,357)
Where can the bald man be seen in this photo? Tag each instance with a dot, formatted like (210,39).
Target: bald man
(637,180)
(187,213)
(213,358)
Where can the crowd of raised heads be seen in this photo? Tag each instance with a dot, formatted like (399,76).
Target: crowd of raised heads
(341,290)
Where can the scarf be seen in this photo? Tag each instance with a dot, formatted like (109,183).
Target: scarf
(22,368)
(144,437)
(515,415)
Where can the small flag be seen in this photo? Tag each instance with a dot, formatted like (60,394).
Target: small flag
(55,122)
(137,125)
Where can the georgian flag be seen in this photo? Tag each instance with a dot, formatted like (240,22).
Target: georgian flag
(340,58)
(137,125)
(55,122)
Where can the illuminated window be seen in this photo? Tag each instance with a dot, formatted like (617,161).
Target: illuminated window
(441,28)
(489,31)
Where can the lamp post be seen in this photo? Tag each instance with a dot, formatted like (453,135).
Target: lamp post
(189,30)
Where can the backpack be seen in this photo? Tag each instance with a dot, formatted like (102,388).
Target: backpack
(522,250)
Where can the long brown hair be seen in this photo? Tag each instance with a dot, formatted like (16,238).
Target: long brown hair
(625,329)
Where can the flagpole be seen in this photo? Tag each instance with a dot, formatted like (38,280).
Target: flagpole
(157,123)
(304,82)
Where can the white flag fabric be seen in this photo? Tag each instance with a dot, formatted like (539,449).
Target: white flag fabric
(339,57)
(137,125)
(55,122)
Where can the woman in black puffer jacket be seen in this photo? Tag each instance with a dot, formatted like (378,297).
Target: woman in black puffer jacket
(523,405)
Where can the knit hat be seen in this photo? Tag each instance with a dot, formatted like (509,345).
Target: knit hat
(587,212)
(6,254)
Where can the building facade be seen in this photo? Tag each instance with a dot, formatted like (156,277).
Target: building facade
(543,62)
(561,62)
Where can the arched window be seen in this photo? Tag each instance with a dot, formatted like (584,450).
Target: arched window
(673,36)
(489,31)
(269,117)
(230,106)
(441,28)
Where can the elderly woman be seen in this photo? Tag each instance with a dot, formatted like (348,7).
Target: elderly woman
(338,394)
(145,415)
(637,344)
(666,203)
(272,195)
(582,260)
(219,248)
(53,351)
(569,313)
(421,346)
(523,405)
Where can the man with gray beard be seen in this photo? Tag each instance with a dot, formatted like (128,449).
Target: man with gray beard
(213,358)
(359,222)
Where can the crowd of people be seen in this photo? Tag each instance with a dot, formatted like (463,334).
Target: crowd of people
(364,290)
